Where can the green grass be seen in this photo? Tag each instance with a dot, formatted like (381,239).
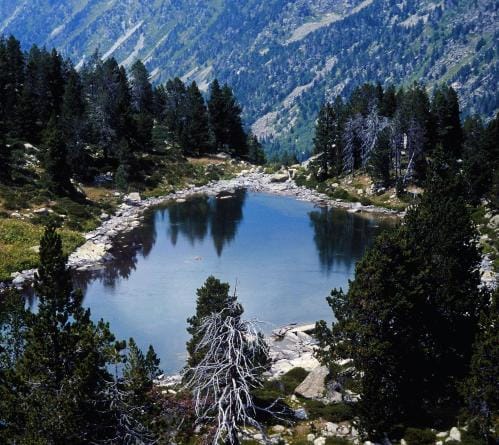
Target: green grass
(18,242)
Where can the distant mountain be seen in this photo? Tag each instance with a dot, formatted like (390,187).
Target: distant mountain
(282,57)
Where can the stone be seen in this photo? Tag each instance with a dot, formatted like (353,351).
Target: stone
(301,414)
(258,436)
(494,221)
(133,198)
(314,386)
(41,211)
(310,437)
(320,441)
(439,442)
(331,427)
(442,434)
(403,442)
(343,430)
(279,177)
(454,434)
(278,429)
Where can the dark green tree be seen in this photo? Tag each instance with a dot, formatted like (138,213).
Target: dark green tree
(328,139)
(256,154)
(212,297)
(380,161)
(141,89)
(196,133)
(225,120)
(410,316)
(14,322)
(480,389)
(64,365)
(57,171)
(74,127)
(445,110)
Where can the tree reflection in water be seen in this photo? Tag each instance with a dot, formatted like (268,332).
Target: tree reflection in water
(341,237)
(194,219)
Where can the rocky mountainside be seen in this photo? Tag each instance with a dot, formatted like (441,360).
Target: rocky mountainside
(282,57)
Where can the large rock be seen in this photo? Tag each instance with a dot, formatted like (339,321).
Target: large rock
(280,177)
(454,434)
(314,385)
(133,198)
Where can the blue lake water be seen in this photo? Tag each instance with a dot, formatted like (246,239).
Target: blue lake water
(283,256)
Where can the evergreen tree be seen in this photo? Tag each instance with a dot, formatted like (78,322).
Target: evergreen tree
(481,387)
(141,89)
(225,120)
(216,110)
(73,126)
(379,164)
(410,317)
(5,158)
(14,321)
(256,155)
(328,139)
(175,109)
(448,131)
(57,170)
(196,133)
(212,297)
(142,105)
(63,368)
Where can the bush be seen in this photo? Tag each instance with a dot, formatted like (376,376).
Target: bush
(335,412)
(292,379)
(416,436)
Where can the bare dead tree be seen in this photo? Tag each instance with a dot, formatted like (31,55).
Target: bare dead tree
(128,428)
(235,358)
(416,140)
(370,128)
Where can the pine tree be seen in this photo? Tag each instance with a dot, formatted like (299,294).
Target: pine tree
(448,131)
(175,109)
(225,120)
(57,170)
(14,322)
(480,388)
(5,158)
(216,105)
(256,154)
(328,139)
(211,298)
(141,89)
(411,315)
(63,368)
(74,127)
(196,133)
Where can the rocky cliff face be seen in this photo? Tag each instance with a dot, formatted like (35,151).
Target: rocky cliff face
(283,57)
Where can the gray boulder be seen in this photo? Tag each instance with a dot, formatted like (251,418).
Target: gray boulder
(314,385)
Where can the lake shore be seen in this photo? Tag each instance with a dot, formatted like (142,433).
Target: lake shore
(95,251)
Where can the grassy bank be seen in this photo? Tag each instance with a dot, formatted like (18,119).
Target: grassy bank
(26,205)
(19,242)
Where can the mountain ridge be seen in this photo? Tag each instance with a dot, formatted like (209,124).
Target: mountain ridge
(283,58)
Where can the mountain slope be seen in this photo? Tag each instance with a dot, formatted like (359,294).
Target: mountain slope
(282,57)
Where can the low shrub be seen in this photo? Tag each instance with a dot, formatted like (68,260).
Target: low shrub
(335,412)
(417,436)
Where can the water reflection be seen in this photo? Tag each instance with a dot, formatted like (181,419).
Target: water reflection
(222,215)
(340,237)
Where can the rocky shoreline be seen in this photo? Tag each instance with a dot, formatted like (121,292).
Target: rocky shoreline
(95,251)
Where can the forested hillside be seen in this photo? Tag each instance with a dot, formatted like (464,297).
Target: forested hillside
(283,58)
